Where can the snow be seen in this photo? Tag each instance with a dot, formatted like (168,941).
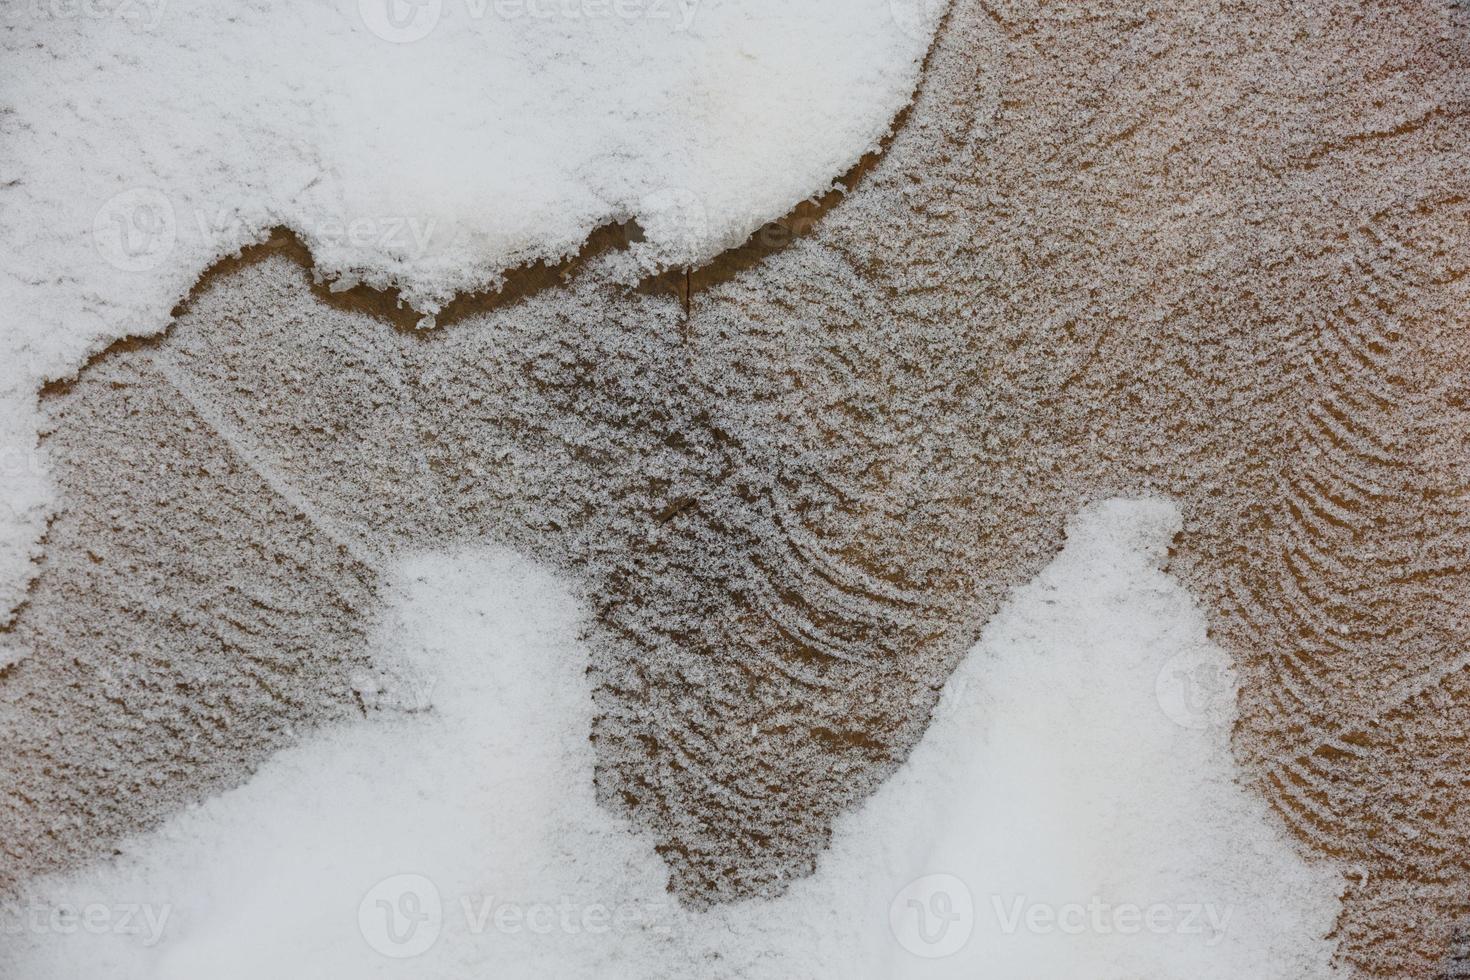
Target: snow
(1068,813)
(424,144)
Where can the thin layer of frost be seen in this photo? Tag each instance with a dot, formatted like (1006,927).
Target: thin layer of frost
(427,144)
(1059,818)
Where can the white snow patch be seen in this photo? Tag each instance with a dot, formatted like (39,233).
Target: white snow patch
(1051,789)
(427,144)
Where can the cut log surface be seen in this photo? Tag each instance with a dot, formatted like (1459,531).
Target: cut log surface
(1212,251)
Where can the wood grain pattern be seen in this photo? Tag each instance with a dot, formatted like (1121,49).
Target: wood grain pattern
(1217,251)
